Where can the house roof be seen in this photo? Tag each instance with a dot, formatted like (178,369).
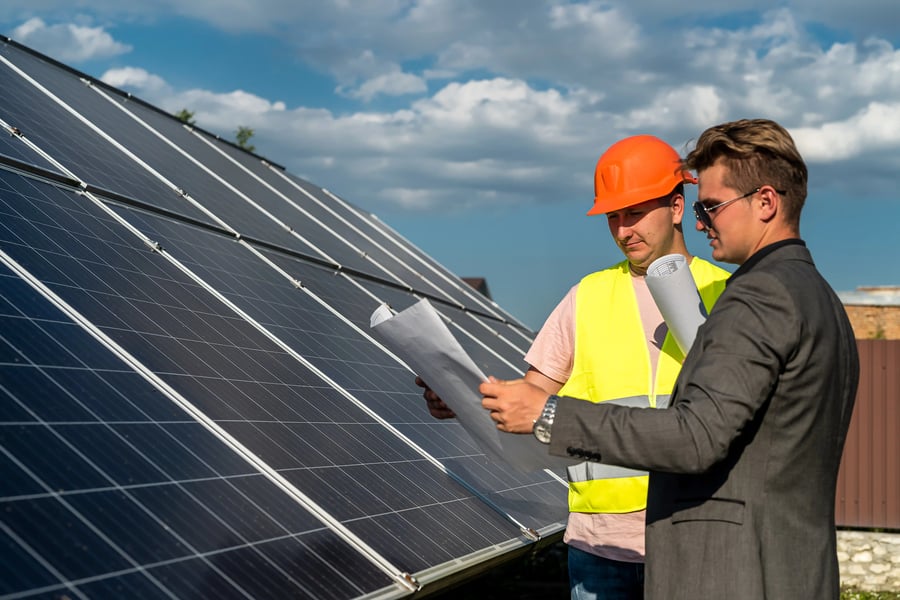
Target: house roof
(878,295)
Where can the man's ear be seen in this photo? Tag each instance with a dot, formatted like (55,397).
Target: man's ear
(677,205)
(769,203)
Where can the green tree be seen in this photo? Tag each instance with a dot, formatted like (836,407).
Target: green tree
(185,116)
(243,135)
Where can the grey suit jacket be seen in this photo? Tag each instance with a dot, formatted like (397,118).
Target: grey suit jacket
(743,464)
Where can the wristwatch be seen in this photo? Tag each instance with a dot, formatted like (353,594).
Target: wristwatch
(544,423)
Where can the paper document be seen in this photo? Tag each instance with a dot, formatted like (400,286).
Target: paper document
(673,289)
(419,337)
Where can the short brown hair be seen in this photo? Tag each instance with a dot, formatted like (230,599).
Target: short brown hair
(756,152)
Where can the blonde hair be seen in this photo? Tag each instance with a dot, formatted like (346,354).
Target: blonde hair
(756,152)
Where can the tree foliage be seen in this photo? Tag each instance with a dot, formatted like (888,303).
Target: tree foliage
(185,116)
(243,135)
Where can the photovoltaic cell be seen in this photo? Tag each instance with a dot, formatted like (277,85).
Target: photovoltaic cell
(93,502)
(191,404)
(13,147)
(436,271)
(219,199)
(493,356)
(527,497)
(422,273)
(253,389)
(342,352)
(87,155)
(293,199)
(349,249)
(98,162)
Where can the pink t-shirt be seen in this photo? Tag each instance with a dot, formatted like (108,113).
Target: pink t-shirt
(613,536)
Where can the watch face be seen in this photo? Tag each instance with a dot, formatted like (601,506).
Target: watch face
(542,432)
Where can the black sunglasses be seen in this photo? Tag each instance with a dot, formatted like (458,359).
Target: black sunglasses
(704,213)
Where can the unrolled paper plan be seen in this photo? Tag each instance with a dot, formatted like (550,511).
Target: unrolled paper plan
(419,337)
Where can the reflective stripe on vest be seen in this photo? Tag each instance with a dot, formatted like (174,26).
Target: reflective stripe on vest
(612,362)
(587,471)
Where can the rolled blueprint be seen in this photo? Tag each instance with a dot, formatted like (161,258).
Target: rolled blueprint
(673,289)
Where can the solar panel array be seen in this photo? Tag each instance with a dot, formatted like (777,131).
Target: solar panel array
(190,400)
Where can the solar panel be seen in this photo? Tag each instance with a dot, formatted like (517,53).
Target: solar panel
(340,347)
(18,152)
(108,484)
(190,401)
(43,121)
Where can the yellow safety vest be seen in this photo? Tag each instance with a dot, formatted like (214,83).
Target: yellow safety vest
(612,361)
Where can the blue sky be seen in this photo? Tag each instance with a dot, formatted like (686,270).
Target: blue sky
(472,127)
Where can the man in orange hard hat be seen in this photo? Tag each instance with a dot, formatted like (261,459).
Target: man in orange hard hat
(606,340)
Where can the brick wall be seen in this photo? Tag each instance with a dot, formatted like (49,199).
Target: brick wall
(875,322)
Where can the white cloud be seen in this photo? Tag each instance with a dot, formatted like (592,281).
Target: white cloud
(692,107)
(389,84)
(411,199)
(214,111)
(534,93)
(225,112)
(868,133)
(600,26)
(68,42)
(136,80)
(497,103)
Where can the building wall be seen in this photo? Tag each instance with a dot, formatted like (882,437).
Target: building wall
(875,322)
(869,561)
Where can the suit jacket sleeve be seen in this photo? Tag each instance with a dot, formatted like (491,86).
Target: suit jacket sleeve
(728,375)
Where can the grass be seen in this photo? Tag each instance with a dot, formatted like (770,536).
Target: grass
(854,594)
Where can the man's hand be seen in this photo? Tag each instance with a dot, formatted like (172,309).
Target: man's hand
(436,406)
(515,405)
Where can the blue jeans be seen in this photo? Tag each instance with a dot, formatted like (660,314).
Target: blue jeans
(592,577)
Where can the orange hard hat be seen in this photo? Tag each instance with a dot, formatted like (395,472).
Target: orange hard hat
(634,170)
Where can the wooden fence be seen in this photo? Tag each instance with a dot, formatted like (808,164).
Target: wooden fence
(868,490)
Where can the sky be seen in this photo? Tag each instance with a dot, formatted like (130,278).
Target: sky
(472,127)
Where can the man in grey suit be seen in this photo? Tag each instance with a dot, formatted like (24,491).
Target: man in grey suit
(743,464)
